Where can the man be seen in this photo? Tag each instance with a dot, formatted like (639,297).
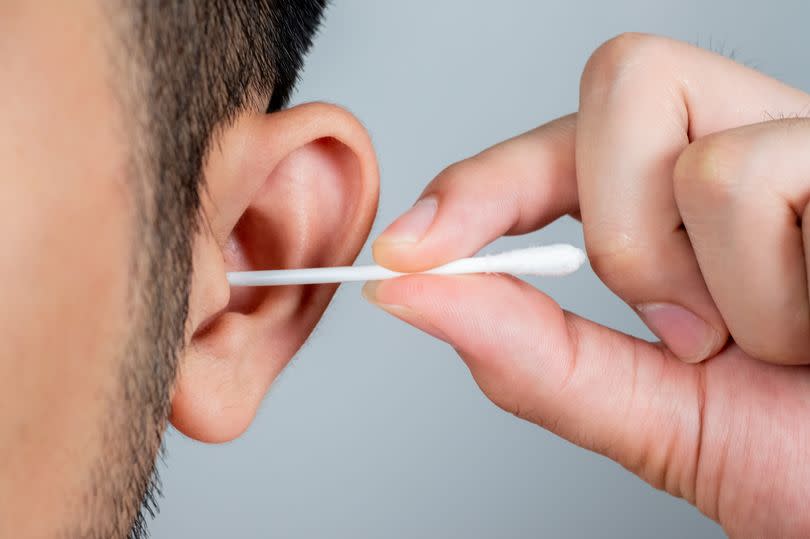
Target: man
(135,144)
(140,164)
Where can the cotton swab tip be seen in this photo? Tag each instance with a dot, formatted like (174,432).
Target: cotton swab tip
(548,260)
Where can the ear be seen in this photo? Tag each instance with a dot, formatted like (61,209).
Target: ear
(296,188)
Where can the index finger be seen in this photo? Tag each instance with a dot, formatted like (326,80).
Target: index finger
(514,187)
(529,181)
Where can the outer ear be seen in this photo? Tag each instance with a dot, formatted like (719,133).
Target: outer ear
(296,188)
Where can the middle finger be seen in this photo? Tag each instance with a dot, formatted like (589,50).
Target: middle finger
(640,107)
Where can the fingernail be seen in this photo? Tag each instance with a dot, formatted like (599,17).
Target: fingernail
(411,226)
(371,291)
(685,334)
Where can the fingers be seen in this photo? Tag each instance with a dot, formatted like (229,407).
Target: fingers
(742,194)
(512,188)
(600,389)
(643,99)
(641,105)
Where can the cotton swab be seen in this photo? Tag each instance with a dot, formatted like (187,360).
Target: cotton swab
(550,260)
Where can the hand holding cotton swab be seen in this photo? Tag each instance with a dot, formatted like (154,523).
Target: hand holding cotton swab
(549,260)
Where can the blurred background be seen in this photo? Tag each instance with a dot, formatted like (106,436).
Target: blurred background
(376,430)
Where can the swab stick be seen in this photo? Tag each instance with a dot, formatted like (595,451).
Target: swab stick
(549,260)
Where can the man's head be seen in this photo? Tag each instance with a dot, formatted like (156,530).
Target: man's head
(139,165)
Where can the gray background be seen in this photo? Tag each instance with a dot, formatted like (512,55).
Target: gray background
(375,430)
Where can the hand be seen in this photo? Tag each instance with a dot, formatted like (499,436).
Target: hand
(691,205)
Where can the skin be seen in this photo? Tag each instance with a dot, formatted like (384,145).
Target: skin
(69,319)
(691,197)
(57,189)
(728,434)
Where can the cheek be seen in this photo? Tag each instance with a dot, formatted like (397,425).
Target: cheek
(65,212)
(63,277)
(63,280)
(63,325)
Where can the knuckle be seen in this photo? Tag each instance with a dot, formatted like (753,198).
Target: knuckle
(617,259)
(781,340)
(617,57)
(453,175)
(768,351)
(709,170)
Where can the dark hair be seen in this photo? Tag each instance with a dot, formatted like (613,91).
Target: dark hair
(205,61)
(188,68)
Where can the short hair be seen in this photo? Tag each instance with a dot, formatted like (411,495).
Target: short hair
(187,69)
(205,61)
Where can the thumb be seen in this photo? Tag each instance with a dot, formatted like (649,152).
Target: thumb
(605,391)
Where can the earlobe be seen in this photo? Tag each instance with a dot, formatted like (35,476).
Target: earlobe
(303,193)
